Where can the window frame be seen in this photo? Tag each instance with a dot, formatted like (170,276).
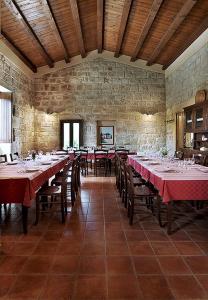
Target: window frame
(71,121)
(9,96)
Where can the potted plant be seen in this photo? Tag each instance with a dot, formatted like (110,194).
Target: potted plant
(164,151)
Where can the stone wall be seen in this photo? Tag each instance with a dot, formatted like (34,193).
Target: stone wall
(23,120)
(132,99)
(181,88)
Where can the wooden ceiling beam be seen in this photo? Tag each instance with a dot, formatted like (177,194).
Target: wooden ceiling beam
(52,21)
(77,26)
(100,22)
(199,30)
(43,52)
(17,51)
(146,28)
(123,24)
(181,15)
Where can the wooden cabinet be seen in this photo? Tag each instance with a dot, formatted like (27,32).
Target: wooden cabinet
(196,122)
(188,120)
(196,117)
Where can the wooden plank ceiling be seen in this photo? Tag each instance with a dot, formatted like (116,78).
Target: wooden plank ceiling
(42,32)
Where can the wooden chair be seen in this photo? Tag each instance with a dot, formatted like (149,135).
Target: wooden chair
(51,196)
(139,195)
(117,170)
(206,161)
(122,153)
(73,181)
(83,162)
(199,159)
(3,158)
(123,186)
(14,156)
(101,161)
(179,154)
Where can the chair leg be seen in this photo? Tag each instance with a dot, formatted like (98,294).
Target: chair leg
(96,169)
(128,209)
(110,164)
(65,200)
(107,167)
(131,216)
(125,198)
(24,218)
(72,196)
(169,217)
(65,204)
(122,195)
(62,209)
(37,213)
(159,211)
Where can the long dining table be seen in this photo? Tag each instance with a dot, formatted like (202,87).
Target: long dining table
(175,180)
(91,154)
(19,182)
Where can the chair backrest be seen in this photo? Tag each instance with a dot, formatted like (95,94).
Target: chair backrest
(123,171)
(82,153)
(179,154)
(122,153)
(14,156)
(199,159)
(129,180)
(3,158)
(206,160)
(101,154)
(66,168)
(75,176)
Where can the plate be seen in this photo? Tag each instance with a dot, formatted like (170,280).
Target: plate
(32,170)
(144,159)
(46,163)
(203,170)
(167,170)
(55,159)
(154,163)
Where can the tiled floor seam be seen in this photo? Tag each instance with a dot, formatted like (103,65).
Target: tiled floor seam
(106,265)
(139,291)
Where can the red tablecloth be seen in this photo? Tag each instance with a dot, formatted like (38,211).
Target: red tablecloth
(23,189)
(186,185)
(91,155)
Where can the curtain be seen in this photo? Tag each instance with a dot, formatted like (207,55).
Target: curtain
(5,120)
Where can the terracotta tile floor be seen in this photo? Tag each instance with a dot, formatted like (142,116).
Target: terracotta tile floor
(97,255)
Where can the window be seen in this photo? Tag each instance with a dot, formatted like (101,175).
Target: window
(71,133)
(5,119)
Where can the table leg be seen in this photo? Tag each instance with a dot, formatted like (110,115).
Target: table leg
(169,217)
(109,164)
(24,218)
(44,199)
(158,201)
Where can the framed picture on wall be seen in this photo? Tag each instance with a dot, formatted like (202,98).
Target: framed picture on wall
(106,135)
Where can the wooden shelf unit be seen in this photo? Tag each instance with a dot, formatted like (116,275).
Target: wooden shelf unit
(196,123)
